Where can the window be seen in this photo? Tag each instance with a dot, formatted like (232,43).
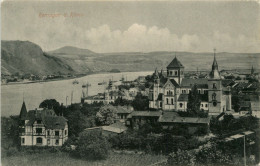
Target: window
(23,140)
(181,105)
(39,140)
(160,104)
(172,101)
(38,130)
(201,105)
(214,104)
(65,132)
(170,72)
(57,142)
(48,132)
(214,86)
(176,73)
(56,133)
(183,91)
(199,91)
(167,101)
(214,96)
(206,105)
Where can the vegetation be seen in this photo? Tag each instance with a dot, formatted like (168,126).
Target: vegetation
(206,155)
(52,104)
(61,158)
(140,103)
(92,145)
(106,115)
(193,105)
(230,125)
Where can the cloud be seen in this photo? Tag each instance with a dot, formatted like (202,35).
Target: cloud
(137,37)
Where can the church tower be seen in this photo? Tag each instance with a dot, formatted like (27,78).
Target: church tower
(215,89)
(156,85)
(175,70)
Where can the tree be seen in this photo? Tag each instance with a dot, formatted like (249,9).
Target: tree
(140,103)
(92,145)
(193,105)
(122,102)
(52,104)
(106,115)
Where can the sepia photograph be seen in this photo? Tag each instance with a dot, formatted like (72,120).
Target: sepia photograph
(130,83)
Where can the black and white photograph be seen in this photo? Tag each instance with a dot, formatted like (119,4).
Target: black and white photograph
(130,83)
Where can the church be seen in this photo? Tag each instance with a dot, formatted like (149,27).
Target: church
(170,91)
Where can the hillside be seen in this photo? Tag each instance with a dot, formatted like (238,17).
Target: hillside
(138,61)
(27,57)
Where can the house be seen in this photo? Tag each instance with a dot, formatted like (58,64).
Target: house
(111,130)
(168,92)
(168,119)
(123,112)
(42,127)
(141,117)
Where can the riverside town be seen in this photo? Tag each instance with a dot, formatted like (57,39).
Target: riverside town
(130,83)
(169,112)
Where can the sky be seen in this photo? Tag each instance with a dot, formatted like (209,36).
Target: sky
(135,26)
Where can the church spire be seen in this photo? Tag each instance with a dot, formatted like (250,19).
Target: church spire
(252,70)
(214,72)
(215,63)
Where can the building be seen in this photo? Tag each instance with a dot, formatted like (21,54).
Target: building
(170,119)
(42,127)
(170,92)
(111,130)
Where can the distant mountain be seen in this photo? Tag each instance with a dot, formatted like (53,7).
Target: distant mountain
(69,50)
(27,57)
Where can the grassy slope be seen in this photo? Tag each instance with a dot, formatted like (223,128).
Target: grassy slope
(64,159)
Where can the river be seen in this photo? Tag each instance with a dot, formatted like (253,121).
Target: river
(34,93)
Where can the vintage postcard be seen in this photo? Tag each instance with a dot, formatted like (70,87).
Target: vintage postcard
(130,83)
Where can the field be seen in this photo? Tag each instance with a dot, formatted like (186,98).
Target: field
(60,158)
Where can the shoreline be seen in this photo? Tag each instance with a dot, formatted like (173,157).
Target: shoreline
(70,78)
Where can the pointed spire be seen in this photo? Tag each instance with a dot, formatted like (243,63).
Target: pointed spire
(23,112)
(215,64)
(252,70)
(214,72)
(156,73)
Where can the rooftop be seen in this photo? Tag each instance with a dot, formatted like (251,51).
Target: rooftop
(175,63)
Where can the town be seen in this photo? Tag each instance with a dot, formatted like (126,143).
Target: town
(187,116)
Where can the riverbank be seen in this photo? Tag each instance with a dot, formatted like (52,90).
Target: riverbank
(57,79)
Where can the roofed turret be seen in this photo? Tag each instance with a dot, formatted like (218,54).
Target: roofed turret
(23,112)
(175,63)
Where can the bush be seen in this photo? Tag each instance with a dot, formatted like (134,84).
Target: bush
(92,145)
